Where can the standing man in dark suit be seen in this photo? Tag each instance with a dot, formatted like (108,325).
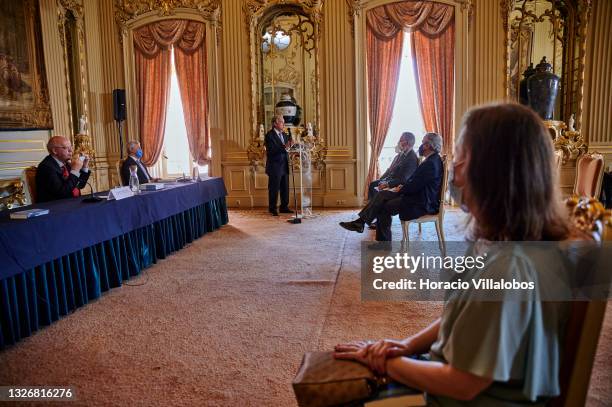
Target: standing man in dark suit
(277,165)
(58,175)
(387,187)
(134,155)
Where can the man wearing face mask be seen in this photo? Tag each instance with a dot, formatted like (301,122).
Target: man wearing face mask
(419,196)
(387,187)
(134,156)
(401,168)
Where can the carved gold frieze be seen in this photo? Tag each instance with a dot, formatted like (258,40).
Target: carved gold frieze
(126,10)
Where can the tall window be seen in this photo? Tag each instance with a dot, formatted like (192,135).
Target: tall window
(406,113)
(177,159)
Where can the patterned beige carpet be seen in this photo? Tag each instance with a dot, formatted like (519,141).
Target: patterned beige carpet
(225,321)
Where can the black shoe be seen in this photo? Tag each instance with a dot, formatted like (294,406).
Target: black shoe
(353,226)
(285,210)
(372,225)
(274,212)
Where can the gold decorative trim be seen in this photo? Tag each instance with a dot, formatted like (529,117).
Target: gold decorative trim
(570,143)
(83,145)
(35,113)
(126,10)
(354,9)
(590,216)
(75,7)
(11,193)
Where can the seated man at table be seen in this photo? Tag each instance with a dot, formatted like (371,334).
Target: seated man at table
(59,175)
(134,155)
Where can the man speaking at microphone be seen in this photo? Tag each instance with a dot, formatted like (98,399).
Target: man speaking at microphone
(277,166)
(59,175)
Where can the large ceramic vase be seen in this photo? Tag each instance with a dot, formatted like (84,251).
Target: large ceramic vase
(523,96)
(289,109)
(542,90)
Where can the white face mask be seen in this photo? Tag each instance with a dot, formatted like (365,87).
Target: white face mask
(456,192)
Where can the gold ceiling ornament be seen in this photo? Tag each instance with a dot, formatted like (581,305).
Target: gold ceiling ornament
(126,10)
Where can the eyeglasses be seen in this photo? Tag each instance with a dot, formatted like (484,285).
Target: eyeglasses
(64,147)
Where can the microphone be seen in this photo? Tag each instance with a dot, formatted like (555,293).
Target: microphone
(91,198)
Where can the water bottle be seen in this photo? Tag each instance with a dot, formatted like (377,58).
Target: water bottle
(134,183)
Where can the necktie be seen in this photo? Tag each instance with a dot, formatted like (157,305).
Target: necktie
(75,191)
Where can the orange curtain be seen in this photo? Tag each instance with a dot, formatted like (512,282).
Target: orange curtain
(385,27)
(426,16)
(152,45)
(434,62)
(383,64)
(190,63)
(153,82)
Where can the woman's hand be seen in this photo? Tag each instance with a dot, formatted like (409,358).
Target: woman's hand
(385,349)
(373,355)
(357,351)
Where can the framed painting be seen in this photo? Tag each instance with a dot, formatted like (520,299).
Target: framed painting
(24,95)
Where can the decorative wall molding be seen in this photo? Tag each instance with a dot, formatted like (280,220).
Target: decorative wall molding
(356,6)
(126,10)
(77,9)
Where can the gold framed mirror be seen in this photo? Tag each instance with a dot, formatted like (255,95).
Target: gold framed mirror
(555,29)
(72,37)
(285,53)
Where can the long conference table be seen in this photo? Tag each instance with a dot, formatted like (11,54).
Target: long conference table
(52,264)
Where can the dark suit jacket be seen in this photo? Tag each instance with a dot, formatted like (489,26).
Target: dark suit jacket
(277,160)
(51,185)
(423,189)
(401,169)
(125,172)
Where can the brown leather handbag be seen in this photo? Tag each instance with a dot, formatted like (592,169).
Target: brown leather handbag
(324,381)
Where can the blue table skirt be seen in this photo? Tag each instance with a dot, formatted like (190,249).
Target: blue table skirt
(43,294)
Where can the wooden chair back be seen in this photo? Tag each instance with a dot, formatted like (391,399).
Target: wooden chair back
(589,175)
(586,317)
(30,178)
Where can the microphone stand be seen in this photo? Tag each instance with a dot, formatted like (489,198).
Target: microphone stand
(91,198)
(295,220)
(119,127)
